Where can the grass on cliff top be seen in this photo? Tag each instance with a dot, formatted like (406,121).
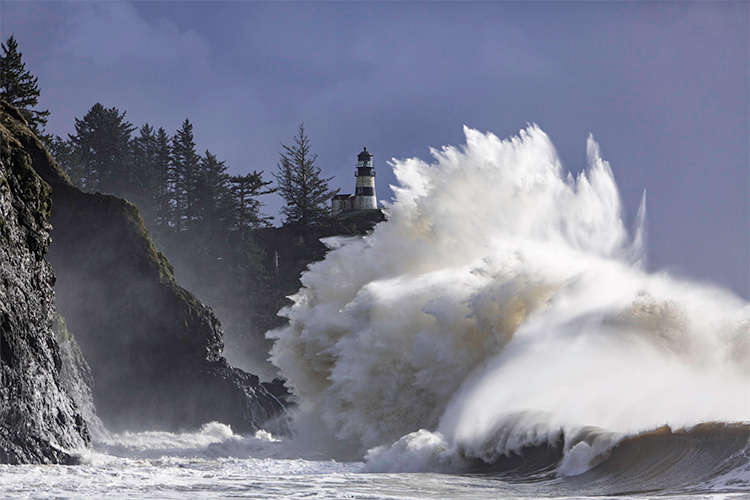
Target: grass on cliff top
(18,163)
(18,128)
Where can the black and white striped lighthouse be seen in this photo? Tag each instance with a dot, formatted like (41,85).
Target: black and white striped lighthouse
(364,190)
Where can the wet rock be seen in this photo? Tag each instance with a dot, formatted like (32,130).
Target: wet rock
(76,377)
(39,422)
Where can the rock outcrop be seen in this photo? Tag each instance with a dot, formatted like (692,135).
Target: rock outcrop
(76,377)
(155,351)
(39,422)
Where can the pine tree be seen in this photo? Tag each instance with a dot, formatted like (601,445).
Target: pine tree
(145,173)
(63,153)
(101,148)
(213,211)
(246,189)
(184,176)
(300,183)
(20,88)
(162,196)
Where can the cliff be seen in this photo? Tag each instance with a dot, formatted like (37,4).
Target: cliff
(39,422)
(154,350)
(291,248)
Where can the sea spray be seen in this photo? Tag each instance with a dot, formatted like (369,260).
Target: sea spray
(503,305)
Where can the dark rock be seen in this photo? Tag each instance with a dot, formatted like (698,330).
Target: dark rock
(155,351)
(277,387)
(39,422)
(76,377)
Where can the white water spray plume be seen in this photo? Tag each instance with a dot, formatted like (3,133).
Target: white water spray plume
(504,304)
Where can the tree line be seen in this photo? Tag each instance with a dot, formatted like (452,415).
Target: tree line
(177,189)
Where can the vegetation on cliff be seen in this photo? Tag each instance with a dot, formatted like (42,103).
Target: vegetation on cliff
(301,183)
(19,87)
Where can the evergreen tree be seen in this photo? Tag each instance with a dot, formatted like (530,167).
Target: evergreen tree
(20,88)
(184,176)
(245,190)
(162,196)
(63,153)
(213,209)
(300,183)
(101,148)
(142,170)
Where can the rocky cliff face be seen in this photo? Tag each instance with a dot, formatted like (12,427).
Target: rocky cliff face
(39,422)
(76,377)
(154,350)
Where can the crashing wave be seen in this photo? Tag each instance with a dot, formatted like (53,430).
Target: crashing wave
(504,306)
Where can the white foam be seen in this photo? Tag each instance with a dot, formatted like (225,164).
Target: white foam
(502,285)
(418,451)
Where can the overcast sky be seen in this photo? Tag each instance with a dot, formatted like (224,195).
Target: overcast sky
(662,86)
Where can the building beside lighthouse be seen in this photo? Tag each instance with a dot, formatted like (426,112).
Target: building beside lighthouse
(364,188)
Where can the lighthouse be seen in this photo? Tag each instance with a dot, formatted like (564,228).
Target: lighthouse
(364,188)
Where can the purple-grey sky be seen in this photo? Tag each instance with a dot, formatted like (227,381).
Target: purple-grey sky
(664,87)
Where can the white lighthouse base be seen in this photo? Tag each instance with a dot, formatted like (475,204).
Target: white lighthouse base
(365,203)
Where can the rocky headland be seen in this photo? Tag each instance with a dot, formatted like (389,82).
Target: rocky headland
(154,350)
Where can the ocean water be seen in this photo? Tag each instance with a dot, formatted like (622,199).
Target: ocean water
(499,336)
(215,463)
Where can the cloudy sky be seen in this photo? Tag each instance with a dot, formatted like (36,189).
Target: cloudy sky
(662,86)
